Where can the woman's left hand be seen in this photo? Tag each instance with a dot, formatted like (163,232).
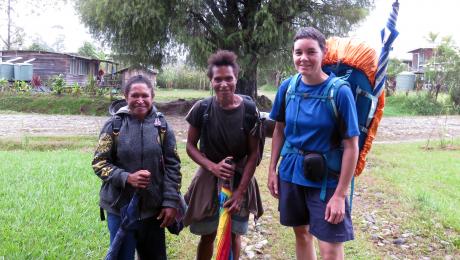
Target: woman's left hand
(168,215)
(335,210)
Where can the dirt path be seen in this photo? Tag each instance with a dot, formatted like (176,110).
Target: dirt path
(391,129)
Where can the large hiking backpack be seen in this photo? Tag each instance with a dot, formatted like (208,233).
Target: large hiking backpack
(251,114)
(356,63)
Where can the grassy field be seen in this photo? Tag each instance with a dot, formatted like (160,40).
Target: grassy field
(50,194)
(427,179)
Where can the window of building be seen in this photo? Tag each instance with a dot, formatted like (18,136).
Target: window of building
(79,67)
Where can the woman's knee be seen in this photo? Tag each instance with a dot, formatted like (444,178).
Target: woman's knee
(302,233)
(331,251)
(236,238)
(208,239)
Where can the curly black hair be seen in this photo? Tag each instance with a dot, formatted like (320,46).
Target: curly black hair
(223,58)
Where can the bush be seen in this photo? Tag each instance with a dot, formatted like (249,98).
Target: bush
(91,86)
(3,84)
(21,86)
(58,84)
(183,77)
(455,96)
(424,104)
(420,103)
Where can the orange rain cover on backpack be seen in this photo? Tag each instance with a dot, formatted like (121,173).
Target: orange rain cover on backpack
(361,56)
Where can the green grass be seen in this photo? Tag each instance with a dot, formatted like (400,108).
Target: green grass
(51,197)
(51,104)
(164,94)
(426,180)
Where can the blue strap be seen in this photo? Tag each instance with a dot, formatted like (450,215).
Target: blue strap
(322,195)
(289,148)
(352,189)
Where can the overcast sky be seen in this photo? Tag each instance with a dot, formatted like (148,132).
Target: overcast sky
(416,19)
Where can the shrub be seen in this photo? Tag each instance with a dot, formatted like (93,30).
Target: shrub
(424,104)
(21,86)
(455,96)
(3,84)
(36,81)
(58,84)
(91,86)
(76,90)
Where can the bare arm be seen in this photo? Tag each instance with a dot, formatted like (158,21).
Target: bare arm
(277,144)
(221,170)
(234,202)
(335,210)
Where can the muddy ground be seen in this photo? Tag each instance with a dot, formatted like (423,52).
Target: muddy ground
(391,129)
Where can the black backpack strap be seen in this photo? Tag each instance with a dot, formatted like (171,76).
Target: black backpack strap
(160,123)
(253,125)
(251,114)
(116,126)
(204,109)
(101,213)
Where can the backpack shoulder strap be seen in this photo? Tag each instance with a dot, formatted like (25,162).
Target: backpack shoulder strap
(251,114)
(331,91)
(290,92)
(116,124)
(205,107)
(160,124)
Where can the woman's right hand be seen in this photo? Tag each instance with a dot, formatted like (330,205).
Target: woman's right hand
(273,183)
(139,179)
(224,170)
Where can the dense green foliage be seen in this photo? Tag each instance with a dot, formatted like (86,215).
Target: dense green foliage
(91,51)
(418,104)
(443,69)
(258,31)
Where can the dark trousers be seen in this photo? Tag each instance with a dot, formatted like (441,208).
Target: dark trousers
(149,239)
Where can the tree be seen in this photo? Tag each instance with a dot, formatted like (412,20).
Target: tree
(256,30)
(395,67)
(443,69)
(15,35)
(89,50)
(38,44)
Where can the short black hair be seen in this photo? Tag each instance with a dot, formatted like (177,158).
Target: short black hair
(137,79)
(223,58)
(311,33)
